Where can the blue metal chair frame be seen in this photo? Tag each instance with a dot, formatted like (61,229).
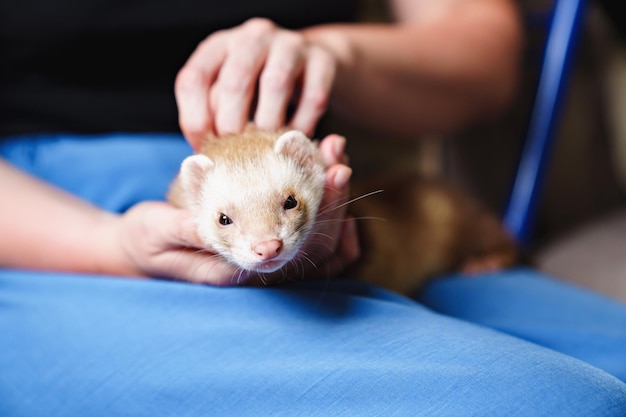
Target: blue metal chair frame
(556,66)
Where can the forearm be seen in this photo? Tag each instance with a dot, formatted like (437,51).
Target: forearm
(47,229)
(434,72)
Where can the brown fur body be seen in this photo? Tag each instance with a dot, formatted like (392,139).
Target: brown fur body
(417,229)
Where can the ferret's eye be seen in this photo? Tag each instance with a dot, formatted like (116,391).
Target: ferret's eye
(290,203)
(225,220)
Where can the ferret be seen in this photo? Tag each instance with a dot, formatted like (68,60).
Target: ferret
(256,196)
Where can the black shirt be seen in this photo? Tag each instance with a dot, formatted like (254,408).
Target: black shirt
(110,65)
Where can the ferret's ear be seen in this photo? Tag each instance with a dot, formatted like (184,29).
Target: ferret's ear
(295,144)
(193,171)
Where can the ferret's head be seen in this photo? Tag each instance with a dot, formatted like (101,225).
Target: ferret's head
(257,210)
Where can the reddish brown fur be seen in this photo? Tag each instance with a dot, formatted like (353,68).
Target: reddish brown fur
(426,228)
(221,149)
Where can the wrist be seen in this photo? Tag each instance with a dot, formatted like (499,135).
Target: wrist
(335,40)
(111,258)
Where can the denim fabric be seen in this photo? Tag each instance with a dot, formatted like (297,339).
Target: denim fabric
(541,309)
(516,343)
(112,171)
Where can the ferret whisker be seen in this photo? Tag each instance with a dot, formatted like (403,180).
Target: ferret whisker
(245,275)
(176,260)
(302,269)
(328,209)
(294,267)
(211,258)
(326,237)
(299,266)
(320,222)
(284,271)
(360,218)
(239,273)
(306,257)
(380,219)
(264,280)
(322,241)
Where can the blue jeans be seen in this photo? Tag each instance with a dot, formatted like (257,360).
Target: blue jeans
(512,343)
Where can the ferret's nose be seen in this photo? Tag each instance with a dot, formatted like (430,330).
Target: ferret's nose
(268,249)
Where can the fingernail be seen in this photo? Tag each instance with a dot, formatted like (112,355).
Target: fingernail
(342,177)
(339,147)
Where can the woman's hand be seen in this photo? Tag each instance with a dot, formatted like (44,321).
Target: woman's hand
(443,66)
(216,90)
(159,240)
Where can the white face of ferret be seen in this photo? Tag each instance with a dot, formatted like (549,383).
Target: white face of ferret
(258,212)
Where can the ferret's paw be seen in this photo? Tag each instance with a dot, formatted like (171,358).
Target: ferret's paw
(484,265)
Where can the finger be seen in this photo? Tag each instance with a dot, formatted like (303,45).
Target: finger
(176,227)
(336,187)
(199,267)
(192,86)
(184,232)
(334,202)
(332,149)
(284,64)
(319,75)
(238,76)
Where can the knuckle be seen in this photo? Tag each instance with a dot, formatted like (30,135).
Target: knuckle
(276,79)
(290,40)
(210,47)
(259,26)
(188,78)
(316,100)
(322,53)
(210,41)
(191,128)
(237,78)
